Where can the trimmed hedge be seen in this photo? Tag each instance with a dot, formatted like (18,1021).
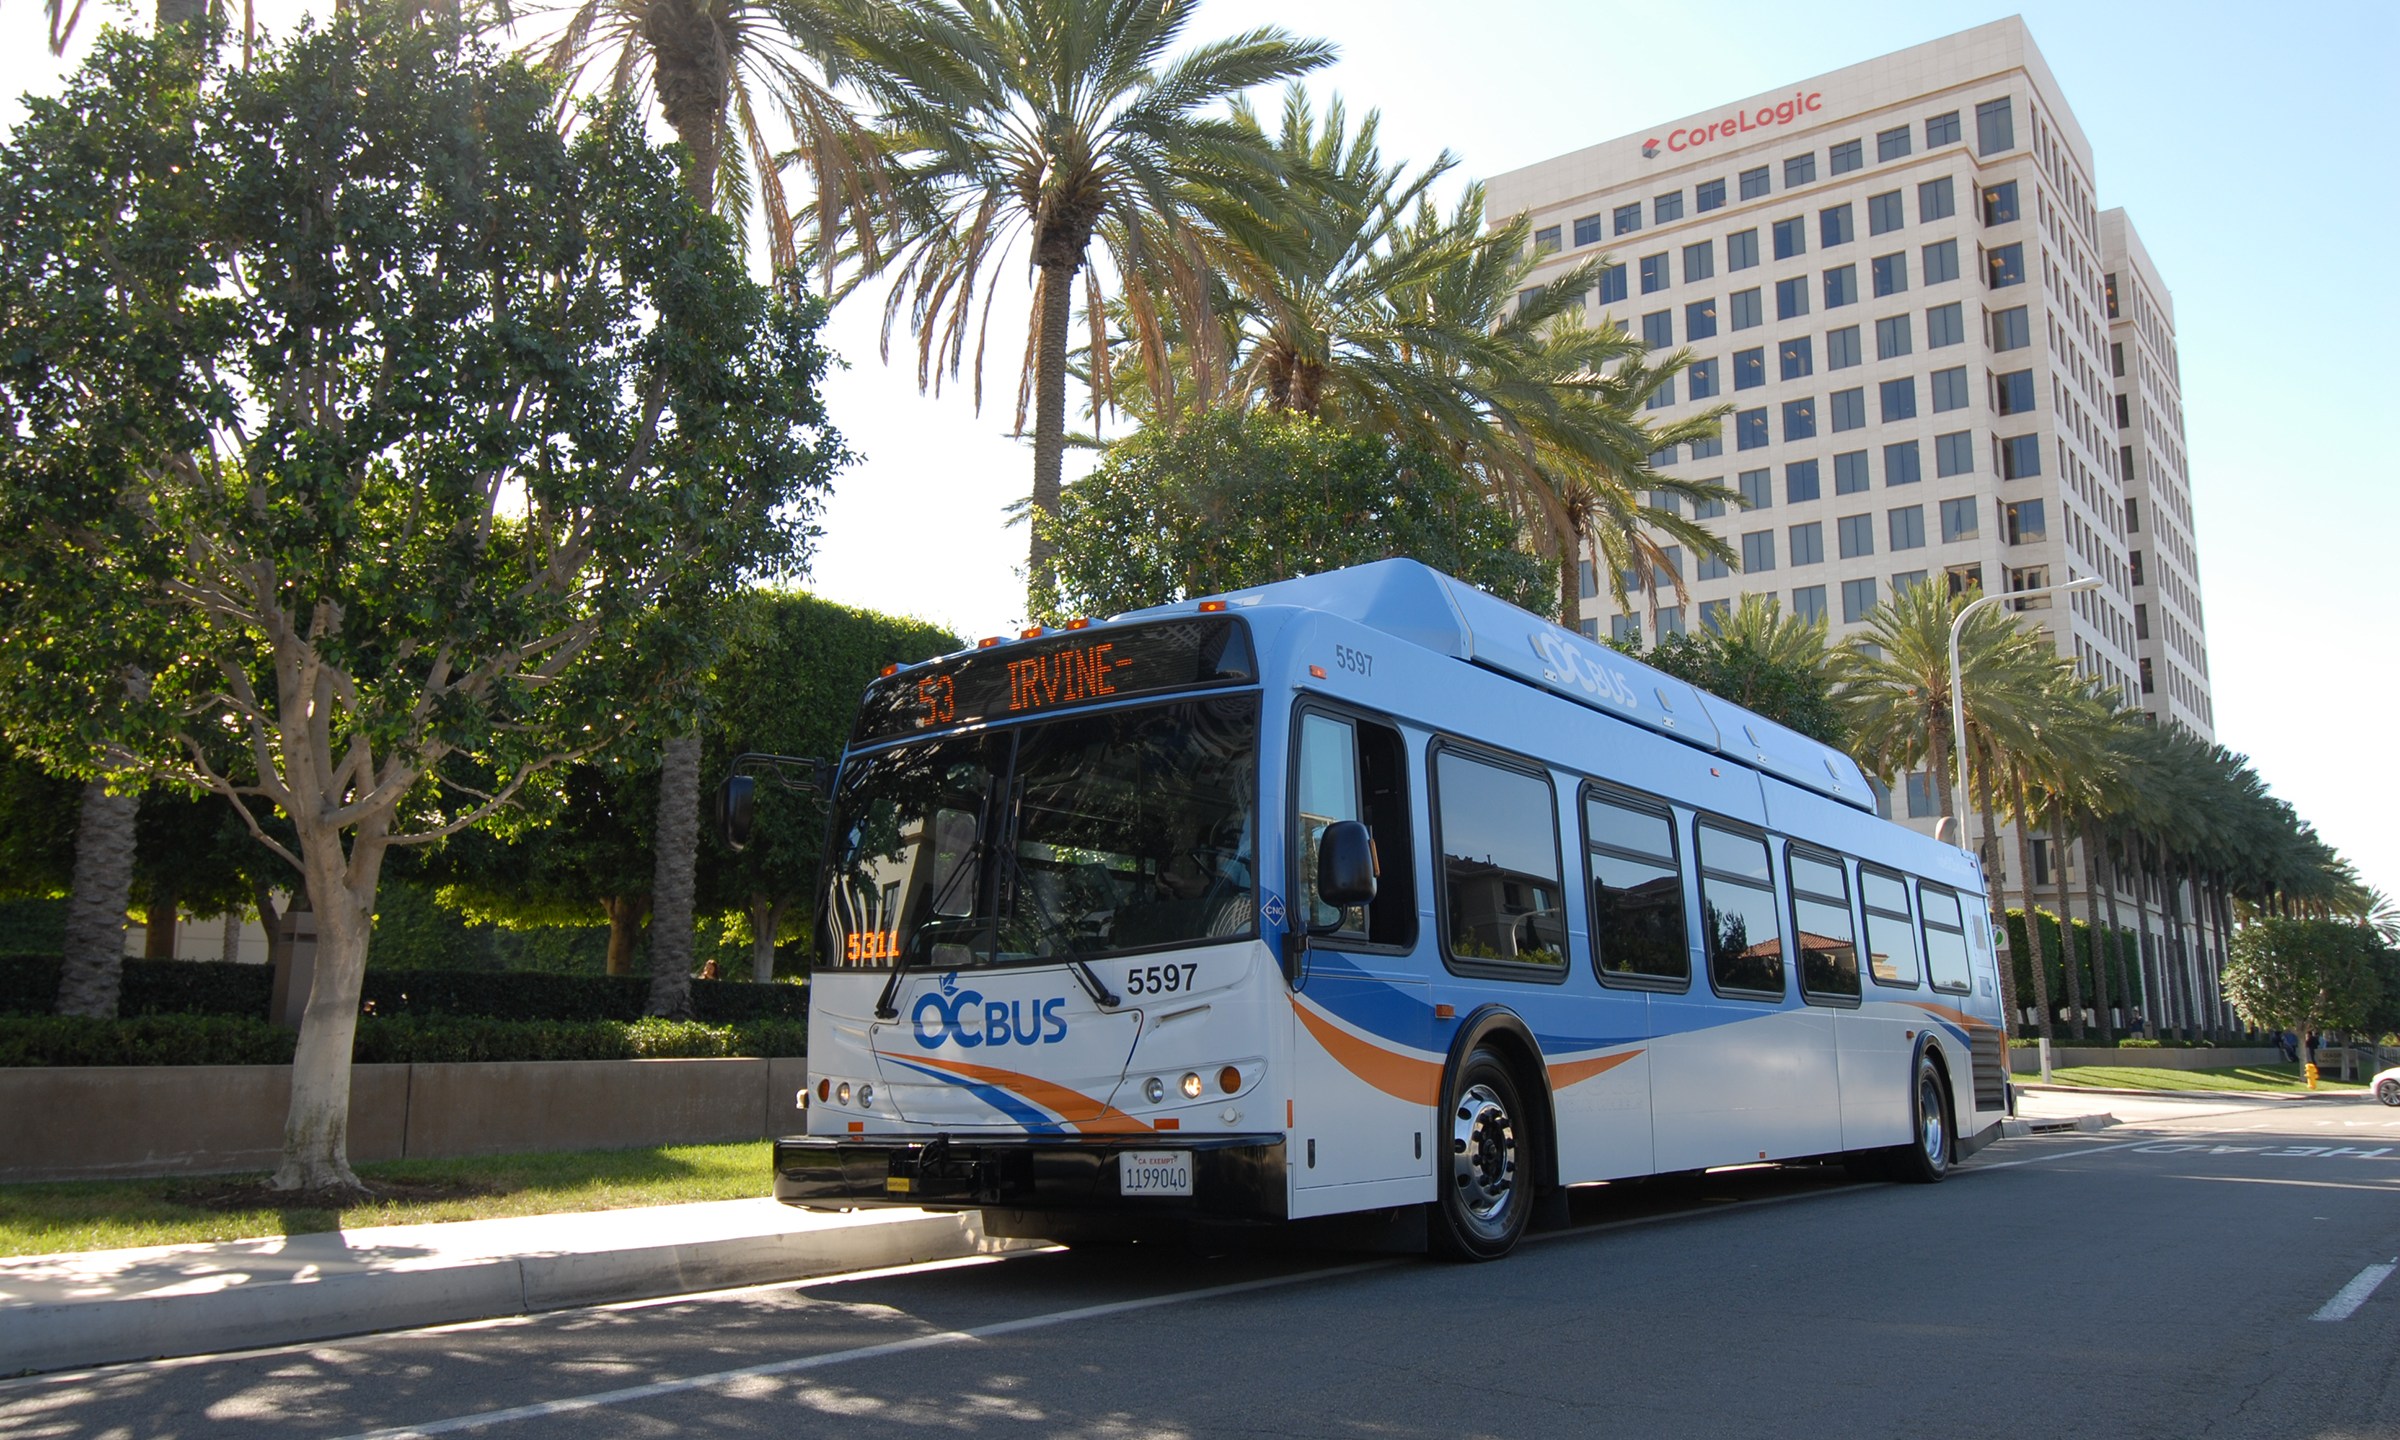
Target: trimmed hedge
(2118,943)
(29,986)
(234,1040)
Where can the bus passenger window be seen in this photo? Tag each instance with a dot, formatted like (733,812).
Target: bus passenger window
(1945,939)
(1637,891)
(1500,870)
(1737,897)
(1891,929)
(1355,770)
(1822,927)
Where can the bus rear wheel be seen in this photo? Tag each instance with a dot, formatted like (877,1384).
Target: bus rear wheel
(1487,1183)
(1926,1158)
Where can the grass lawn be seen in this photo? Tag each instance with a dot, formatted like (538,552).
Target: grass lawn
(42,1219)
(2265,1079)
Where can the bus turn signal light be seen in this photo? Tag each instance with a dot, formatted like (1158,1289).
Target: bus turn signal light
(1229,1079)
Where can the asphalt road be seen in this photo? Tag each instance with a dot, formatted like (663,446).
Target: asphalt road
(2212,1270)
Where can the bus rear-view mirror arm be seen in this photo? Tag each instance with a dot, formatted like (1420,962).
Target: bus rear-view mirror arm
(737,798)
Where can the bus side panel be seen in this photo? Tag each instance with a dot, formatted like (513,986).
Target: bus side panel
(1602,1098)
(1364,1082)
(1736,1082)
(1878,1040)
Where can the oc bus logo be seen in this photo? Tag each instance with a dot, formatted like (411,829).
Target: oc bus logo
(965,1018)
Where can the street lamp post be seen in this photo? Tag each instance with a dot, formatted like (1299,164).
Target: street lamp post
(1958,724)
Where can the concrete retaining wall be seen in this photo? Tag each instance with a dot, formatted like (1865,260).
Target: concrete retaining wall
(97,1122)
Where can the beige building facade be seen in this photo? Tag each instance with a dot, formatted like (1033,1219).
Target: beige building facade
(1946,364)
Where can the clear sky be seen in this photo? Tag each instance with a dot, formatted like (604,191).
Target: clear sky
(2251,145)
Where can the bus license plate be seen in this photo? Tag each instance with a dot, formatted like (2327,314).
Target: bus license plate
(1155,1172)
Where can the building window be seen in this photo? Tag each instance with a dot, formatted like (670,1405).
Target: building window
(1655,276)
(2141,622)
(1749,368)
(1748,313)
(2000,203)
(1906,526)
(1941,262)
(1612,284)
(1703,375)
(1799,419)
(2030,577)
(1850,468)
(1950,389)
(1808,544)
(1791,298)
(1841,286)
(2124,416)
(2133,516)
(1714,613)
(1945,325)
(1892,337)
(1841,348)
(2110,287)
(1710,509)
(2133,565)
(2020,457)
(1709,195)
(2004,265)
(1891,274)
(1891,144)
(1808,604)
(1958,518)
(1660,459)
(1963,579)
(1936,200)
(1800,486)
(1954,454)
(1834,226)
(1658,329)
(1670,620)
(1660,398)
(1844,158)
(2146,682)
(1699,320)
(1883,213)
(1800,170)
(2010,330)
(2013,392)
(1924,802)
(1666,208)
(1707,447)
(1791,237)
(1995,127)
(1587,230)
(1750,429)
(1900,464)
(1712,568)
(1700,261)
(1755,183)
(1906,581)
(1797,357)
(1528,297)
(1941,130)
(1545,240)
(1625,629)
(1846,410)
(1628,218)
(1587,581)
(1758,552)
(1758,490)
(1855,535)
(1898,398)
(1741,250)
(1858,597)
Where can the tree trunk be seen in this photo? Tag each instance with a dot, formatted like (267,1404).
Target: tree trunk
(158,923)
(2011,1022)
(2066,923)
(2141,938)
(341,890)
(2178,954)
(1049,422)
(766,917)
(271,922)
(2103,950)
(671,886)
(229,943)
(102,888)
(625,916)
(2037,961)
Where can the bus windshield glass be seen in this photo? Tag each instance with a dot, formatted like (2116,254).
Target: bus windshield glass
(1072,838)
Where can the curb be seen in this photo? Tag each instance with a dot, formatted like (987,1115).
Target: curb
(251,1313)
(2260,1095)
(2014,1128)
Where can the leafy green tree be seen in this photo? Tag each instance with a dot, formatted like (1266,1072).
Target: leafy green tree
(1031,130)
(485,400)
(1229,500)
(2303,975)
(1763,660)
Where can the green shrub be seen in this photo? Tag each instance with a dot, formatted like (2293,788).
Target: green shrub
(28,984)
(393,1040)
(195,987)
(144,1040)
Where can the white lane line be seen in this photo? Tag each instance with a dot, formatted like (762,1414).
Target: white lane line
(2354,1294)
(843,1357)
(1977,1167)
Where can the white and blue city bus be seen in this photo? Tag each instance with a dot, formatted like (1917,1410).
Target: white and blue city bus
(1364,892)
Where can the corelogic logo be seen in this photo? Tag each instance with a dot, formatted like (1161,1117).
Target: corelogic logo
(950,1015)
(1765,117)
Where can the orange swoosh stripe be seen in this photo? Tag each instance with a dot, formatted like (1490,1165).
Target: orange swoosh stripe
(1570,1072)
(1403,1077)
(1093,1117)
(1954,1014)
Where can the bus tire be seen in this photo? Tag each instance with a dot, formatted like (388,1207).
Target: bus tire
(1926,1158)
(1487,1188)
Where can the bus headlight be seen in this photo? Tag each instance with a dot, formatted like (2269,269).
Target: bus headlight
(841,1093)
(1191,1085)
(866,1097)
(1154,1090)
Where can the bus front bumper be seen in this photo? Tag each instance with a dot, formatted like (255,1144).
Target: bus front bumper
(1234,1177)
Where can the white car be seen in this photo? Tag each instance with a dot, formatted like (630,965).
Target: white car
(2387,1085)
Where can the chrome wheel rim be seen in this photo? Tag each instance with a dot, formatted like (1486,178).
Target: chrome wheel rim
(1483,1157)
(1932,1133)
(2388,1092)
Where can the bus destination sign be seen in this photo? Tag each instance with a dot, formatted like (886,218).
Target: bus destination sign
(1057,673)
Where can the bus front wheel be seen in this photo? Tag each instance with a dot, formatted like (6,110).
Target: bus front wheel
(1487,1179)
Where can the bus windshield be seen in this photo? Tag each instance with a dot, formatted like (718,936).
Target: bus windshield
(1072,838)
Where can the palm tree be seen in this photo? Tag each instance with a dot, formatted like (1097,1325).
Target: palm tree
(1044,126)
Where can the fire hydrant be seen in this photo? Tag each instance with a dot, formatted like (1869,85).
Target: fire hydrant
(2312,1074)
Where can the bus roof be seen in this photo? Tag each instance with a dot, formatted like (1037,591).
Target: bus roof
(1425,607)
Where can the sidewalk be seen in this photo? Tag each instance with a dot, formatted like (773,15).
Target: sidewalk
(2048,1110)
(63,1311)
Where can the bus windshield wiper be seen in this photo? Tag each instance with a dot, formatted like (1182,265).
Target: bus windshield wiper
(885,1009)
(1084,974)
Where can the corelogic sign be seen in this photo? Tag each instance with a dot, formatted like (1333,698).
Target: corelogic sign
(1765,117)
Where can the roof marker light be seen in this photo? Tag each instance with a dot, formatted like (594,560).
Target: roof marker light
(1083,624)
(987,642)
(1030,632)
(1211,607)
(891,669)
(1317,671)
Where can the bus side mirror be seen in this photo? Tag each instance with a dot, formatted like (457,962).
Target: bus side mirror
(737,801)
(1346,865)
